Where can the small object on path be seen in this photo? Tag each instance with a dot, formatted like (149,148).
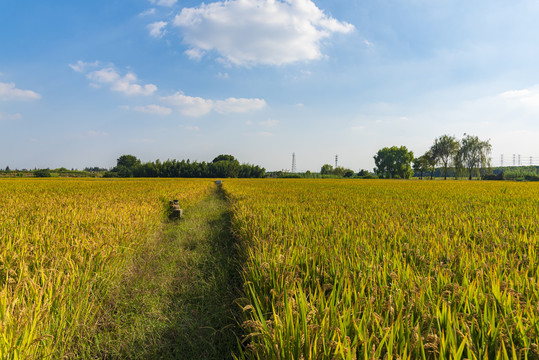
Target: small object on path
(175,211)
(218,182)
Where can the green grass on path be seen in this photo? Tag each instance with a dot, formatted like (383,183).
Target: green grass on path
(177,301)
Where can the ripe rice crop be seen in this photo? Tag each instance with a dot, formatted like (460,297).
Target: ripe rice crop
(63,243)
(389,269)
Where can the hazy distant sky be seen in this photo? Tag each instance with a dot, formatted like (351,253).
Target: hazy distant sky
(83,82)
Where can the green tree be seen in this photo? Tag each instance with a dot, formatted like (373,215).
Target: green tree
(473,154)
(363,173)
(224,157)
(326,169)
(431,162)
(129,161)
(394,162)
(348,173)
(425,163)
(42,173)
(444,150)
(420,166)
(126,166)
(225,169)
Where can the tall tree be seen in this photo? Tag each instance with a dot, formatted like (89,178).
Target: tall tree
(129,161)
(326,169)
(394,162)
(431,162)
(444,150)
(421,165)
(473,154)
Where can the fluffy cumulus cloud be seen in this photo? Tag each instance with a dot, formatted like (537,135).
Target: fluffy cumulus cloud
(189,105)
(127,84)
(197,106)
(252,32)
(157,29)
(9,92)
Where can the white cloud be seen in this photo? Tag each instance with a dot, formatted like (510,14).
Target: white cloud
(197,106)
(157,29)
(126,84)
(191,128)
(82,66)
(223,75)
(265,134)
(233,105)
(269,123)
(273,32)
(150,11)
(525,98)
(8,92)
(167,3)
(194,54)
(106,75)
(189,105)
(153,109)
(368,43)
(4,116)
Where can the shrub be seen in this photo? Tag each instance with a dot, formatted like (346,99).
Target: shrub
(42,173)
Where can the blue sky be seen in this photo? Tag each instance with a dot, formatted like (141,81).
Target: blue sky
(82,83)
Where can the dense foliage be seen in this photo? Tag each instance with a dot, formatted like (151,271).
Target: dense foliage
(394,162)
(225,166)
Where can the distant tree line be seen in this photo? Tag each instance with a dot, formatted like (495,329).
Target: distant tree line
(225,166)
(469,156)
(339,171)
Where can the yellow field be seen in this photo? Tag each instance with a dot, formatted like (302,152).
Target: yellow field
(62,243)
(335,268)
(389,269)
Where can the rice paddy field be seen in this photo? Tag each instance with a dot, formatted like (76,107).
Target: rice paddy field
(332,269)
(389,269)
(63,244)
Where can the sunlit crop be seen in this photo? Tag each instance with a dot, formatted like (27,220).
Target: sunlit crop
(62,243)
(389,269)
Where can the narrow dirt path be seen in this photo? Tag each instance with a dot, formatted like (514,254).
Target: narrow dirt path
(178,301)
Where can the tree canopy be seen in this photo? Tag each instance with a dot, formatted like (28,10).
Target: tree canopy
(394,162)
(224,158)
(444,150)
(473,154)
(222,166)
